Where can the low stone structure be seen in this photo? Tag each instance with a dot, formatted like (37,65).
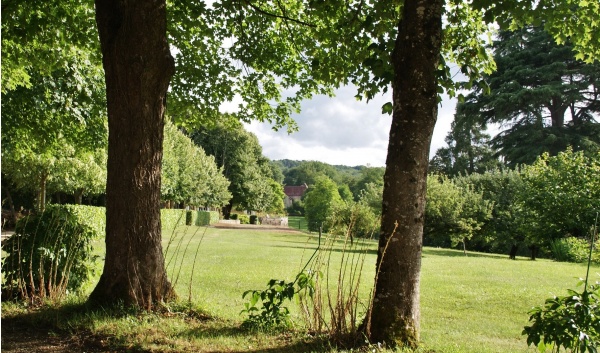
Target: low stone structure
(276,221)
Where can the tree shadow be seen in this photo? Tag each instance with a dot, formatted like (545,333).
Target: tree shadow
(288,341)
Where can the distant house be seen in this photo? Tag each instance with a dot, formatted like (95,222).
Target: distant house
(293,193)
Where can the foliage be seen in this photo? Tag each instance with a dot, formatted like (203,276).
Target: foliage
(244,218)
(536,85)
(172,218)
(500,187)
(51,253)
(354,219)
(562,194)
(188,175)
(308,173)
(206,218)
(296,209)
(320,202)
(54,129)
(574,250)
(469,150)
(453,210)
(239,155)
(571,322)
(272,312)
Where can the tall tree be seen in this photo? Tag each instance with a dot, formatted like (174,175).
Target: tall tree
(239,155)
(547,98)
(469,148)
(138,66)
(189,176)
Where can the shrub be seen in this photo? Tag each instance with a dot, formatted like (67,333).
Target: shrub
(205,218)
(233,216)
(253,219)
(571,322)
(244,219)
(172,218)
(573,249)
(51,252)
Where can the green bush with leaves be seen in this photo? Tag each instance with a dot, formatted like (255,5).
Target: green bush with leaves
(205,218)
(320,203)
(571,322)
(562,193)
(172,218)
(51,253)
(244,219)
(272,313)
(574,250)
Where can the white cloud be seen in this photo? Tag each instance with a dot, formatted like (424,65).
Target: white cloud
(342,130)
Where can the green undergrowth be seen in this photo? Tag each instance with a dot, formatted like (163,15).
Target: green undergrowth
(475,303)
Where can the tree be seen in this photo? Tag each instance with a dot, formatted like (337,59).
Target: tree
(536,85)
(320,203)
(52,118)
(81,174)
(190,176)
(454,211)
(503,232)
(468,150)
(308,172)
(239,155)
(138,66)
(563,194)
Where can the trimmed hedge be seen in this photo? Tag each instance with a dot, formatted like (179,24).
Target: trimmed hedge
(205,218)
(172,218)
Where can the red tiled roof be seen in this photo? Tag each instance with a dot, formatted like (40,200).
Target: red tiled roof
(295,190)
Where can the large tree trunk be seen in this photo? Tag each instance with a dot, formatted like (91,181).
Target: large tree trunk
(138,67)
(395,315)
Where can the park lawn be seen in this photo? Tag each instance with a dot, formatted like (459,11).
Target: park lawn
(298,222)
(476,303)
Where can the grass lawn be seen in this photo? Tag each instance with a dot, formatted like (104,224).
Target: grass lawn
(298,222)
(477,303)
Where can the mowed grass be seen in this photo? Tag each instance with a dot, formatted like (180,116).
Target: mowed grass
(477,303)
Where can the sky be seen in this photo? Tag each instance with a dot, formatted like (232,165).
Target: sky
(342,131)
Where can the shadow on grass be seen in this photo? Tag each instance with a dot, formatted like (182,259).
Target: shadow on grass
(42,330)
(70,328)
(459,253)
(283,341)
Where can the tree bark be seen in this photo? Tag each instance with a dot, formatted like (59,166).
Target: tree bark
(138,67)
(78,196)
(42,192)
(395,314)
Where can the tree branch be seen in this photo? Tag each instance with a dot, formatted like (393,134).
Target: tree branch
(284,17)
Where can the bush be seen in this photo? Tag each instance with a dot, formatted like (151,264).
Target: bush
(571,322)
(573,249)
(253,219)
(172,218)
(233,216)
(244,219)
(51,253)
(205,218)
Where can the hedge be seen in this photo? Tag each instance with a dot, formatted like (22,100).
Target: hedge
(205,218)
(172,218)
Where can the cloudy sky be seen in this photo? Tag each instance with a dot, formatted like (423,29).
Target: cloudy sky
(342,130)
